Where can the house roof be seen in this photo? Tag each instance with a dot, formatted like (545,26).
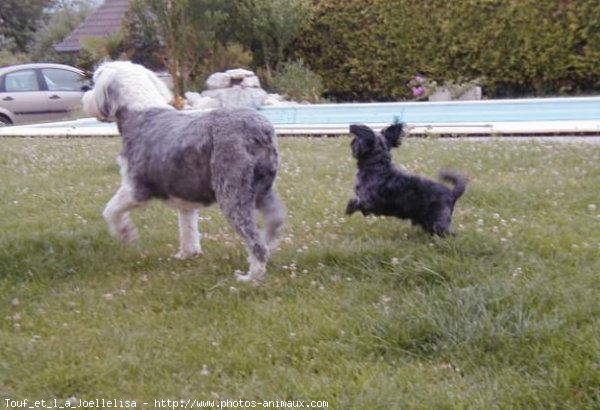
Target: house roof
(105,20)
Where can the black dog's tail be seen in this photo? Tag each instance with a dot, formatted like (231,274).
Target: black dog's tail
(460,182)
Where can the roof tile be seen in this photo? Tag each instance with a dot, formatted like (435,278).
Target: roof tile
(105,20)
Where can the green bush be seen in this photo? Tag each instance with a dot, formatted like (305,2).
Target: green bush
(370,49)
(297,82)
(8,58)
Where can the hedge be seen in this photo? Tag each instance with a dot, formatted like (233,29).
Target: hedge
(370,49)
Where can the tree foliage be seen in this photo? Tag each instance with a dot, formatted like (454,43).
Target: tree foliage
(362,49)
(202,35)
(19,20)
(268,27)
(187,29)
(58,23)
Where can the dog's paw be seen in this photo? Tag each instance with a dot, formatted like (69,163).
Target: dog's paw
(352,206)
(248,278)
(187,254)
(255,274)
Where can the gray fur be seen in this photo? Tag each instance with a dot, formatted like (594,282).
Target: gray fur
(382,189)
(198,159)
(228,156)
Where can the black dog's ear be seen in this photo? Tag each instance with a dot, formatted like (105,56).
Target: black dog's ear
(362,131)
(364,141)
(393,133)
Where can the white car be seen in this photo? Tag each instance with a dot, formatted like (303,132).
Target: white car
(40,92)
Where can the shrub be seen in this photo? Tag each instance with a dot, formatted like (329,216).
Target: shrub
(223,57)
(96,49)
(521,47)
(8,58)
(297,82)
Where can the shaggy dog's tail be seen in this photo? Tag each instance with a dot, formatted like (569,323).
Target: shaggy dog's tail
(459,182)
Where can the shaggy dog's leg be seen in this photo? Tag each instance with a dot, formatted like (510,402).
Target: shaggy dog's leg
(274,213)
(189,236)
(241,216)
(258,252)
(116,214)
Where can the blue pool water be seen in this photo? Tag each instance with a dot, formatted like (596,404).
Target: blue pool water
(543,109)
(581,114)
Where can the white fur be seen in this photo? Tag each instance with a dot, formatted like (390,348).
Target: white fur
(256,272)
(189,236)
(124,84)
(116,212)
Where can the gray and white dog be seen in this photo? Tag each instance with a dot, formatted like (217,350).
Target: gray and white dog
(228,156)
(383,189)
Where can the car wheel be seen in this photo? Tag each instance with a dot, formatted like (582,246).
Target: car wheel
(4,121)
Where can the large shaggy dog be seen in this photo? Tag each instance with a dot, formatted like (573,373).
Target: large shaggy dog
(227,156)
(383,189)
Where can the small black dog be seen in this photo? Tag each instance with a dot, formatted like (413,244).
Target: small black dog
(382,189)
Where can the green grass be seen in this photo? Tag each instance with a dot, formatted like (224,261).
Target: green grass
(365,313)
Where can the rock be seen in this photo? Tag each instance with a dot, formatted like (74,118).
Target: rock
(442,94)
(250,82)
(464,93)
(218,80)
(237,96)
(233,88)
(239,73)
(473,93)
(196,101)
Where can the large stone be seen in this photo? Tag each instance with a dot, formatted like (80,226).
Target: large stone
(218,80)
(473,93)
(233,88)
(446,94)
(239,73)
(197,102)
(238,97)
(442,94)
(250,82)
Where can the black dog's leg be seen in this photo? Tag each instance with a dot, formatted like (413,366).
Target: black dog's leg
(441,226)
(353,206)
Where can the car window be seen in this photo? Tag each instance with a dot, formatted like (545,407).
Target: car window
(62,80)
(24,80)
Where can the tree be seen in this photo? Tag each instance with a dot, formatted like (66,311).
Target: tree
(19,19)
(268,27)
(60,20)
(141,38)
(188,31)
(197,36)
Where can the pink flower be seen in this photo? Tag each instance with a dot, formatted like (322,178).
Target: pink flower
(418,91)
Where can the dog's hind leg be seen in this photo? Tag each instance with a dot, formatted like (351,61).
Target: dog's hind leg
(116,214)
(189,236)
(239,209)
(273,211)
(441,226)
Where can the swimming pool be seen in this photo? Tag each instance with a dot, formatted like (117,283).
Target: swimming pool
(514,116)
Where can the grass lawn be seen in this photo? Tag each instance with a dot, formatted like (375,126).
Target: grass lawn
(364,313)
